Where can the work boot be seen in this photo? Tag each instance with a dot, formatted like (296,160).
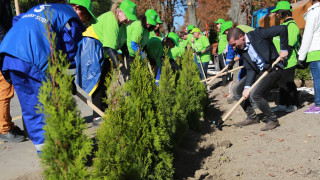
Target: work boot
(247,122)
(272,122)
(270,125)
(14,135)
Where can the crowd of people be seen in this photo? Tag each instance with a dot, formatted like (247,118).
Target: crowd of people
(120,35)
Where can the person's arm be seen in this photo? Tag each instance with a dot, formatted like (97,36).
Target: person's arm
(307,35)
(281,31)
(72,35)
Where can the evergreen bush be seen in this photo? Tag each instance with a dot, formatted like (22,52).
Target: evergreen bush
(168,109)
(66,146)
(132,141)
(191,93)
(303,75)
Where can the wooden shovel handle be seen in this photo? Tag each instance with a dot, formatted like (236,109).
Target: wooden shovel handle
(216,76)
(237,68)
(253,86)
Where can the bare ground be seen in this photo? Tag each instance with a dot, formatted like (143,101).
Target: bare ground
(291,151)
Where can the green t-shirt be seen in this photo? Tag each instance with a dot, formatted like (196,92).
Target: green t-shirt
(175,52)
(222,43)
(201,44)
(122,35)
(190,36)
(293,41)
(155,49)
(107,29)
(145,38)
(134,33)
(313,56)
(183,44)
(153,34)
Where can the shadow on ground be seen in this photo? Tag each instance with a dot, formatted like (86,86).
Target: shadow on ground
(189,156)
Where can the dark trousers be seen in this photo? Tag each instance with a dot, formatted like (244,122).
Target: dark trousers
(222,64)
(288,89)
(100,93)
(257,94)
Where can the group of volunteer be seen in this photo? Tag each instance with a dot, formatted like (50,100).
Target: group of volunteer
(111,41)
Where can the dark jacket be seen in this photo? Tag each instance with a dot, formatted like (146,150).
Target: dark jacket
(5,17)
(261,40)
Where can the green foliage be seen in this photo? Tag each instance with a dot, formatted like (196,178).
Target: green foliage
(66,147)
(169,111)
(191,93)
(101,6)
(303,75)
(132,141)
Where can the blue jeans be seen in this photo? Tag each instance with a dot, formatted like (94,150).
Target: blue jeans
(205,67)
(315,72)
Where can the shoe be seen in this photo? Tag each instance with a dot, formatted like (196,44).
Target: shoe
(13,135)
(291,108)
(312,110)
(247,122)
(270,125)
(96,121)
(279,108)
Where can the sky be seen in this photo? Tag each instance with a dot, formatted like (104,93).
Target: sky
(178,22)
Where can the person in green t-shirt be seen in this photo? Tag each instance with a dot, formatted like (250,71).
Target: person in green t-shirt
(107,28)
(175,52)
(223,48)
(138,35)
(156,32)
(171,42)
(183,43)
(190,35)
(288,90)
(155,52)
(202,49)
(110,30)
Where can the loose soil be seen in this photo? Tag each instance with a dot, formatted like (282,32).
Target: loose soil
(291,151)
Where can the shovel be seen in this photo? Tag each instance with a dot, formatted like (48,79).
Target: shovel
(253,86)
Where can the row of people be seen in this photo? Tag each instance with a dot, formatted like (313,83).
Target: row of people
(259,48)
(24,62)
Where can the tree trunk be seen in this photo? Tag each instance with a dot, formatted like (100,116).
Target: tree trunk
(192,18)
(240,11)
(164,23)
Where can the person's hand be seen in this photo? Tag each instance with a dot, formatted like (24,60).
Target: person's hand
(192,40)
(203,51)
(283,54)
(198,53)
(245,93)
(124,71)
(302,64)
(230,65)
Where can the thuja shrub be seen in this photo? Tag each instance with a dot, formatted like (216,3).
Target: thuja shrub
(168,110)
(133,142)
(191,93)
(66,146)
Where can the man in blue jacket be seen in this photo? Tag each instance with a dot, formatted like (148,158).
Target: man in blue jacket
(258,52)
(25,50)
